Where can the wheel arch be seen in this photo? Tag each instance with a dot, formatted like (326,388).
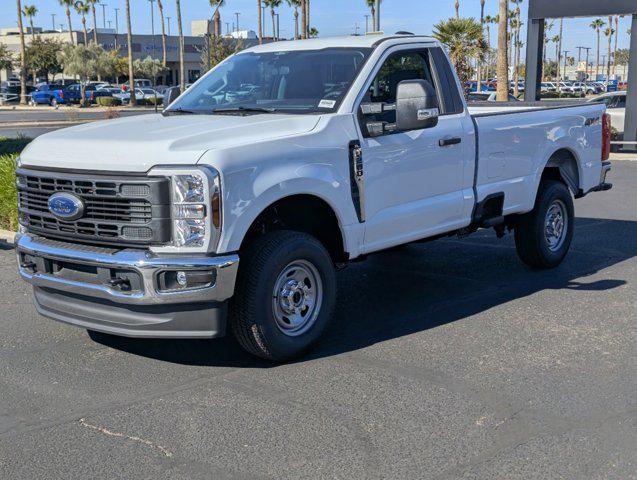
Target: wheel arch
(563,165)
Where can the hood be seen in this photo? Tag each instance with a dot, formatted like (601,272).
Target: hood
(138,143)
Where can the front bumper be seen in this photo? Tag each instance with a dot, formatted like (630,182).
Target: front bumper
(83,286)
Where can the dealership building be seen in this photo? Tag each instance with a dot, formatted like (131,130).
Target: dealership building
(142,45)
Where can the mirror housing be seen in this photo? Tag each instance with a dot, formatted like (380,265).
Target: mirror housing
(416,105)
(173,93)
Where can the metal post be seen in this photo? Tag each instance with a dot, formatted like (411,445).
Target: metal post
(587,51)
(366,23)
(236,14)
(168,22)
(116,30)
(228,28)
(104,5)
(534,50)
(630,128)
(377,17)
(566,52)
(278,28)
(53,20)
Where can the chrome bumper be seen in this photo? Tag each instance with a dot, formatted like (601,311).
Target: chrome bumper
(145,263)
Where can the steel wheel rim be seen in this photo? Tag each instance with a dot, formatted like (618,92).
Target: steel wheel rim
(556,225)
(297,298)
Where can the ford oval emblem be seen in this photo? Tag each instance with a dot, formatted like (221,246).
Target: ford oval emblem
(66,206)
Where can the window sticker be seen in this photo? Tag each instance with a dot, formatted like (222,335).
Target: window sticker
(326,103)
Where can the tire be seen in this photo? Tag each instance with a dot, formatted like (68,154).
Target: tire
(53,102)
(543,236)
(283,269)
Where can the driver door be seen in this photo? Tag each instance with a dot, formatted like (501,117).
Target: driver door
(413,181)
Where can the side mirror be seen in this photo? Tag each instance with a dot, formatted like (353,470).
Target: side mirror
(416,105)
(173,93)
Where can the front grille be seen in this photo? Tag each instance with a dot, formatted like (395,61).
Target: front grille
(122,210)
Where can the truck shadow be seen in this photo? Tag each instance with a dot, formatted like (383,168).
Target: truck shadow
(423,286)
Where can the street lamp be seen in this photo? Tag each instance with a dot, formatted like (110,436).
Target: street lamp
(377,17)
(53,20)
(104,5)
(168,19)
(116,30)
(366,23)
(236,14)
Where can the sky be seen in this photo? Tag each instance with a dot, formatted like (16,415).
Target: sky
(330,17)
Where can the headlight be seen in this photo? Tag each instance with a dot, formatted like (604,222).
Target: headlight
(196,208)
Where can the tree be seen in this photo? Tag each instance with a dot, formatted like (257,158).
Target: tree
(503,67)
(307,19)
(559,49)
(182,72)
(260,22)
(219,51)
(92,3)
(149,68)
(23,59)
(82,9)
(217,4)
(6,58)
(42,56)
(457,8)
(272,4)
(463,39)
(597,25)
(622,56)
(517,45)
(616,40)
(295,4)
(479,85)
(30,11)
(609,32)
(86,61)
(131,70)
(558,57)
(304,19)
(313,33)
(163,31)
(372,6)
(67,4)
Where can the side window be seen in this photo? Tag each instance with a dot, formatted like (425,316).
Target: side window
(413,65)
(620,102)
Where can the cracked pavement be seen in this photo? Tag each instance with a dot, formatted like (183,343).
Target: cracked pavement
(446,360)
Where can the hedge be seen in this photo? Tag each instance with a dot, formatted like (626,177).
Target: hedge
(10,146)
(8,193)
(109,101)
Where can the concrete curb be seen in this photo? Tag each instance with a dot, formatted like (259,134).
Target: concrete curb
(7,236)
(60,123)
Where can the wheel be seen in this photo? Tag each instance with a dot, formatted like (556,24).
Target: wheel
(53,102)
(284,297)
(543,236)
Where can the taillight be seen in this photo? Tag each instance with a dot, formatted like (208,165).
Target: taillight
(606,134)
(62,95)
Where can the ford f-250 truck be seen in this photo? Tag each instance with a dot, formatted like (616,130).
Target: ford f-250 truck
(238,203)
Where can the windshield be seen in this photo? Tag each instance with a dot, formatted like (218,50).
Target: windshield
(292,82)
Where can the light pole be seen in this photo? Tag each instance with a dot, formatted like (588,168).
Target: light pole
(278,30)
(53,20)
(228,28)
(104,5)
(377,18)
(168,21)
(152,26)
(236,14)
(116,30)
(565,60)
(587,50)
(366,23)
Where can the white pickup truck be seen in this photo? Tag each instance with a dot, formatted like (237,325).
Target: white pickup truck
(238,203)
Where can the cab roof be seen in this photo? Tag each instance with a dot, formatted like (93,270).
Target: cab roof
(352,41)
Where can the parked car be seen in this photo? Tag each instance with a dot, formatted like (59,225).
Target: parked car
(615,106)
(487,97)
(140,94)
(593,88)
(52,94)
(231,213)
(520,86)
(91,92)
(548,87)
(472,86)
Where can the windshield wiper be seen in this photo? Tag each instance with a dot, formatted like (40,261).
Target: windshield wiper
(179,111)
(242,109)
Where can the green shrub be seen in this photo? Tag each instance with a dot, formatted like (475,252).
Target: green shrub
(109,101)
(9,146)
(86,103)
(8,193)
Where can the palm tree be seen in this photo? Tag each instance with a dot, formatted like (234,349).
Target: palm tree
(517,45)
(559,50)
(217,4)
(502,68)
(457,8)
(304,18)
(272,4)
(131,68)
(556,40)
(313,32)
(260,22)
(163,31)
(30,11)
(479,85)
(609,32)
(597,25)
(464,39)
(82,9)
(93,2)
(182,71)
(310,31)
(295,4)
(67,4)
(372,6)
(615,47)
(23,58)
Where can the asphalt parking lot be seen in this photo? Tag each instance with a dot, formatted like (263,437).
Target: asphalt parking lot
(446,360)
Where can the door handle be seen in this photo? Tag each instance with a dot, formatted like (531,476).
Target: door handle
(445,142)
